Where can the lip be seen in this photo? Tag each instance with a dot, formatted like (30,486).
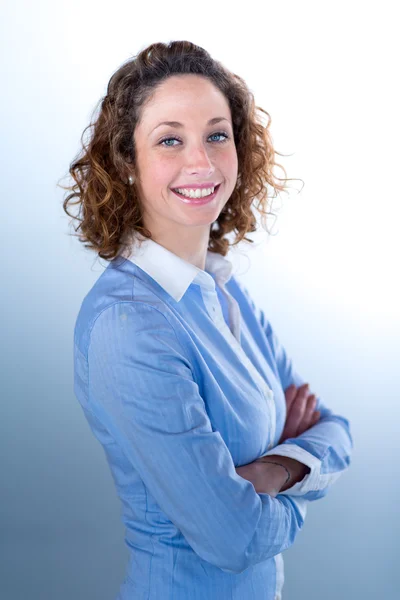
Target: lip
(194,186)
(198,201)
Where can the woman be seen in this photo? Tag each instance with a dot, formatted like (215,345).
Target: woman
(214,441)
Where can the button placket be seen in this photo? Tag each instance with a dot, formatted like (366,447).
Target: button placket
(215,311)
(259,381)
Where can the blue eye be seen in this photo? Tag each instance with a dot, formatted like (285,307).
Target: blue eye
(167,140)
(172,137)
(219,133)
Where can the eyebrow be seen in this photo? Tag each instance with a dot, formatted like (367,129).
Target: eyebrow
(177,124)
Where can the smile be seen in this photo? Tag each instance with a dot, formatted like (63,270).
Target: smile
(198,200)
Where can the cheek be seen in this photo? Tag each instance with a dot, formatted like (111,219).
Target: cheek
(161,173)
(228,166)
(229,161)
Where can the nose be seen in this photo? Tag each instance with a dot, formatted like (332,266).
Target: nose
(197,160)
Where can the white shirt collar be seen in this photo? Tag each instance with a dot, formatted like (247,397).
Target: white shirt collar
(175,274)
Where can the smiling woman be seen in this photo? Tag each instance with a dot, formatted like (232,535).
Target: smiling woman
(140,133)
(181,378)
(201,163)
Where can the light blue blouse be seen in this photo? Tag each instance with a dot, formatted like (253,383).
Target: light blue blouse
(182,379)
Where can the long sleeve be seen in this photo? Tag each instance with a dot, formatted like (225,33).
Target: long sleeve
(326,447)
(142,388)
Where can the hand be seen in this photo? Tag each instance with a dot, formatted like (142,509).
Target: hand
(297,469)
(266,478)
(300,417)
(300,411)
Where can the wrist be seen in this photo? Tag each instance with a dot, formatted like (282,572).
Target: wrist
(296,469)
(284,475)
(273,477)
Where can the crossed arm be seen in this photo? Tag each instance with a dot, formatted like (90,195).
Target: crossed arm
(182,461)
(319,454)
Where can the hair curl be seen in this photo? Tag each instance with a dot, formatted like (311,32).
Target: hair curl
(109,208)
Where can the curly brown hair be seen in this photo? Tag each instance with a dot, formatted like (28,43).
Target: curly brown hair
(109,208)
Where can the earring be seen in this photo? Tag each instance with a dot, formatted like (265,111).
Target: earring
(131,179)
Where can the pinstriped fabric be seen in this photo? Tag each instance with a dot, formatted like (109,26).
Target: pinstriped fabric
(181,379)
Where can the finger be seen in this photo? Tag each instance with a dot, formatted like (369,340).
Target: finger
(290,395)
(309,409)
(289,433)
(296,413)
(306,421)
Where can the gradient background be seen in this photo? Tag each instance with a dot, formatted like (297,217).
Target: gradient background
(327,277)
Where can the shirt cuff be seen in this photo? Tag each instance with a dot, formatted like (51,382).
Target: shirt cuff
(312,480)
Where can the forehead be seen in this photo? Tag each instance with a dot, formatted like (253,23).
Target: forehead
(188,94)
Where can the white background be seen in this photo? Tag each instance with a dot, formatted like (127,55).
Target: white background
(328,74)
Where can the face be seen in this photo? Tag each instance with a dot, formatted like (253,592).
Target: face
(191,153)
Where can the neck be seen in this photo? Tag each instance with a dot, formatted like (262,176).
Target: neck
(190,245)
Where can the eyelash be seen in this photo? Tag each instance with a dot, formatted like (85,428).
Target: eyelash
(173,137)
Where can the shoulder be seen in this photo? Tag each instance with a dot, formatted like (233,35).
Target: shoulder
(121,291)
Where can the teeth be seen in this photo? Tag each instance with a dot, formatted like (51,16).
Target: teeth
(195,193)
